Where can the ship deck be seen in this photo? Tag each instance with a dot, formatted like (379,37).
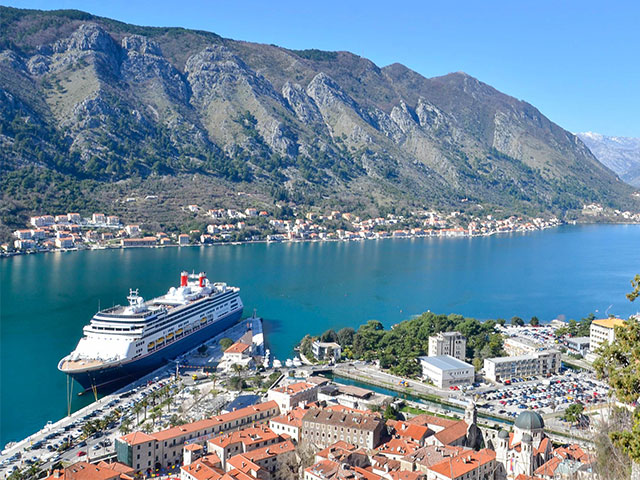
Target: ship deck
(72,365)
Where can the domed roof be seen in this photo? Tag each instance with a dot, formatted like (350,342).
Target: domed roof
(529,421)
(527,438)
(503,434)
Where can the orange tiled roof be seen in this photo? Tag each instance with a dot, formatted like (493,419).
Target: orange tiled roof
(452,433)
(136,438)
(193,427)
(405,475)
(548,469)
(398,446)
(86,471)
(427,420)
(203,469)
(237,347)
(294,388)
(412,430)
(247,436)
(462,464)
(118,467)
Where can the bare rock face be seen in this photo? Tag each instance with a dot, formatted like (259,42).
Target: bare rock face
(224,89)
(505,136)
(38,65)
(302,104)
(144,64)
(429,116)
(401,115)
(87,37)
(142,45)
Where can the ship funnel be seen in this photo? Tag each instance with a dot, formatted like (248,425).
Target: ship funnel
(201,279)
(183,279)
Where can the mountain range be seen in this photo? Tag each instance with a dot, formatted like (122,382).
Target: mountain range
(620,154)
(93,110)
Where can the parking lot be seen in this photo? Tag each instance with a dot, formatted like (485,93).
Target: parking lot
(545,395)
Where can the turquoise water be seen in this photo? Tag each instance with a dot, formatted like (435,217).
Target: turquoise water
(303,288)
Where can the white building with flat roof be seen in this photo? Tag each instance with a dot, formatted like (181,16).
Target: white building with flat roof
(448,343)
(544,362)
(446,371)
(514,346)
(603,331)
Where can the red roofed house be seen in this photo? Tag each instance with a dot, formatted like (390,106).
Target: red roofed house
(329,470)
(205,468)
(464,433)
(469,465)
(86,471)
(289,423)
(250,438)
(266,463)
(410,431)
(237,352)
(296,394)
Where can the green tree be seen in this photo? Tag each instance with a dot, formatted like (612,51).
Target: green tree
(517,321)
(345,336)
(390,413)
(202,349)
(329,336)
(225,343)
(534,322)
(573,413)
(619,365)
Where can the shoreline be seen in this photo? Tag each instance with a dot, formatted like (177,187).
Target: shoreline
(464,234)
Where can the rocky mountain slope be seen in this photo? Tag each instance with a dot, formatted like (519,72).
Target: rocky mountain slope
(620,154)
(92,109)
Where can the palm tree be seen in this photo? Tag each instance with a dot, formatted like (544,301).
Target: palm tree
(125,426)
(145,404)
(136,409)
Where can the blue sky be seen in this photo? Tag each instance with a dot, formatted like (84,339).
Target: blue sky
(578,62)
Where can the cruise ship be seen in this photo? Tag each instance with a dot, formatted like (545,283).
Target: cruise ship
(123,343)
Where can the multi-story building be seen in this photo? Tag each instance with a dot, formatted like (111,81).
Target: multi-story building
(42,221)
(289,423)
(323,427)
(229,444)
(290,396)
(544,362)
(267,463)
(446,371)
(138,242)
(64,242)
(468,465)
(448,343)
(602,331)
(24,244)
(132,230)
(183,239)
(113,220)
(146,452)
(25,234)
(98,218)
(514,346)
(74,217)
(323,350)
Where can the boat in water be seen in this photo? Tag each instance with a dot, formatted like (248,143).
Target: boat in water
(123,343)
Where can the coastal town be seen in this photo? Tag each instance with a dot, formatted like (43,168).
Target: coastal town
(72,231)
(228,410)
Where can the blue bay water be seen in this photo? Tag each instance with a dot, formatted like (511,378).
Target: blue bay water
(303,288)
